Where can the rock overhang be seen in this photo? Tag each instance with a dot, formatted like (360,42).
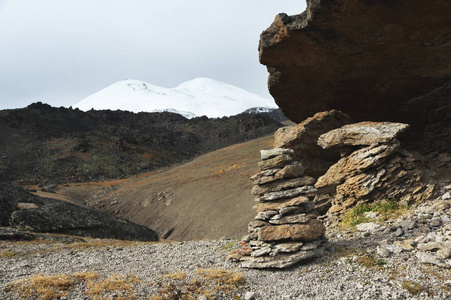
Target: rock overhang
(374,60)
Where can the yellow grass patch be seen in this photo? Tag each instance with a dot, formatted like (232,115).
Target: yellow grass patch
(118,283)
(44,287)
(205,282)
(49,287)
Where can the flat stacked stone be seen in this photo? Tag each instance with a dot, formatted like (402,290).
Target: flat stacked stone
(286,229)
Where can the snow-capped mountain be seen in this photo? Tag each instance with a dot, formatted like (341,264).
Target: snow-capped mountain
(259,110)
(186,114)
(274,113)
(197,97)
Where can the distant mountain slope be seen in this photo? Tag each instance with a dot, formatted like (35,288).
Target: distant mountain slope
(274,113)
(43,143)
(208,197)
(197,97)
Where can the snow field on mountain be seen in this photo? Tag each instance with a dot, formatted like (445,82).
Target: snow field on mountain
(197,97)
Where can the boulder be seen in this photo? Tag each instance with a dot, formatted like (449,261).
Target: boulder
(304,135)
(373,60)
(428,258)
(296,232)
(363,133)
(23,206)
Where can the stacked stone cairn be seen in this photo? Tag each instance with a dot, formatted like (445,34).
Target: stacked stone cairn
(286,229)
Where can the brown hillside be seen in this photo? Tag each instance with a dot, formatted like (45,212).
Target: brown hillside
(208,197)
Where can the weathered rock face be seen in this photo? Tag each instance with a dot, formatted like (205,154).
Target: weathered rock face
(377,169)
(357,163)
(302,138)
(374,60)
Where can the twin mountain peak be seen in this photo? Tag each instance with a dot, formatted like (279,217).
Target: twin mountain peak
(197,97)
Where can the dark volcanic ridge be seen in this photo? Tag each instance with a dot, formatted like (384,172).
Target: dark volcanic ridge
(45,143)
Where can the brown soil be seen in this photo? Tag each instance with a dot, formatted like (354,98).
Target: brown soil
(206,198)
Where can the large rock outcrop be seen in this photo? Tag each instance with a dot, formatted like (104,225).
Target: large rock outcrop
(26,212)
(374,60)
(377,168)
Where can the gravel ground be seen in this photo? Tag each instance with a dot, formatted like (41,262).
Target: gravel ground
(340,274)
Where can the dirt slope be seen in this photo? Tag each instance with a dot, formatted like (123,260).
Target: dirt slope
(208,197)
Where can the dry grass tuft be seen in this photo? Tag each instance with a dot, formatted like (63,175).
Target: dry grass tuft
(370,261)
(117,283)
(60,285)
(176,276)
(364,258)
(445,288)
(413,287)
(223,278)
(44,287)
(85,276)
(10,254)
(206,282)
(210,283)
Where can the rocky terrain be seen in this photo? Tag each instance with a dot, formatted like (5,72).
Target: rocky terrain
(24,216)
(399,260)
(44,144)
(379,249)
(392,241)
(350,204)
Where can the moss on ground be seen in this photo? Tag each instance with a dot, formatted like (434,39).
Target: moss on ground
(386,209)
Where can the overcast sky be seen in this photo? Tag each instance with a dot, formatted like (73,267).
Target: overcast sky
(61,51)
